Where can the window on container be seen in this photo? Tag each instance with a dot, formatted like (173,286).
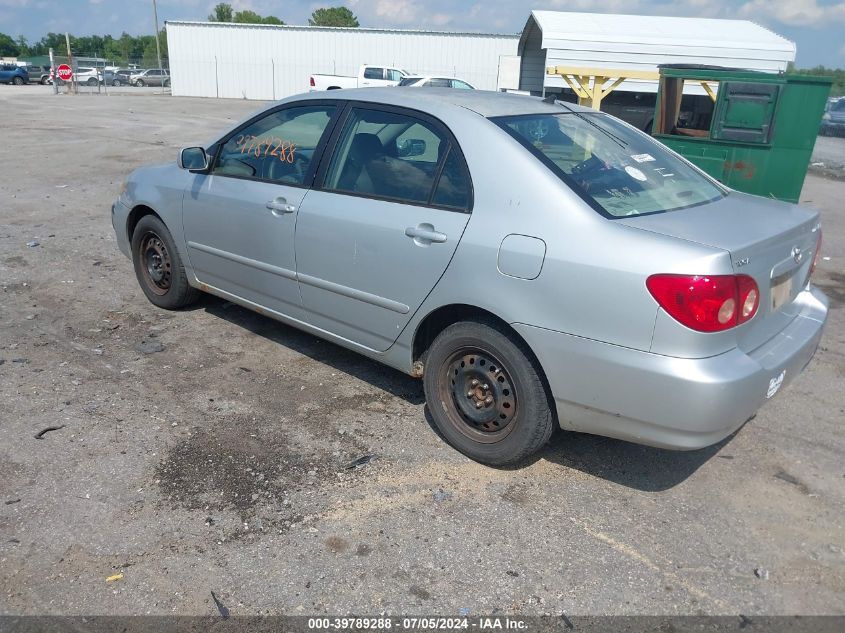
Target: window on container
(690,114)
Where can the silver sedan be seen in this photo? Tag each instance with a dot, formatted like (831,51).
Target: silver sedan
(536,264)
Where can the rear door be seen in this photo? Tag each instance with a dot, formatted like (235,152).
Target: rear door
(381,226)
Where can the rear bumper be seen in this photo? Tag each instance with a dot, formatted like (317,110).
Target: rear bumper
(675,403)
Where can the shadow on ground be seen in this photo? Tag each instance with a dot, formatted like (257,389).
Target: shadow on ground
(631,465)
(381,376)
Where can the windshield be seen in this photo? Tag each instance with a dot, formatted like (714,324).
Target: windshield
(617,169)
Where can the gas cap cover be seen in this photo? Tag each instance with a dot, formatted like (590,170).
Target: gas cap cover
(521,256)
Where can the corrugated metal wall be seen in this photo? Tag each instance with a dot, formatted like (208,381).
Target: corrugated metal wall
(271,62)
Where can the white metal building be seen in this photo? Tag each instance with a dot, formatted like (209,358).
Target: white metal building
(259,61)
(641,42)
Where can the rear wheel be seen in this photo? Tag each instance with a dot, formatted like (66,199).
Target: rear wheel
(116,83)
(158,266)
(167,83)
(140,83)
(92,81)
(45,81)
(18,81)
(485,393)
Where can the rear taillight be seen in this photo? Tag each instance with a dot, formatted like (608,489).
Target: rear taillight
(706,303)
(816,256)
(313,83)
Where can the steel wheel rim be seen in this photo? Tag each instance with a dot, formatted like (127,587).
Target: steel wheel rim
(155,263)
(479,394)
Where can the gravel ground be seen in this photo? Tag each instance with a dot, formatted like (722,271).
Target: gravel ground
(829,157)
(208,450)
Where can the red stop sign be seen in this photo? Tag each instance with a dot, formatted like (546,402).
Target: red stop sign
(64,72)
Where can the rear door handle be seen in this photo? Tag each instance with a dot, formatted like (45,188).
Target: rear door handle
(425,234)
(280,206)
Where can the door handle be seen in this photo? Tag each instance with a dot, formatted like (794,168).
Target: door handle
(425,234)
(280,206)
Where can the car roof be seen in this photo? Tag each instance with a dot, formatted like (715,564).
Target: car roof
(484,102)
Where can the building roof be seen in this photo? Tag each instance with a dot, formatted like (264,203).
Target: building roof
(356,29)
(656,30)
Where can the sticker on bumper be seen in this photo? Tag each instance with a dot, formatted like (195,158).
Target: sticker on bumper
(774,384)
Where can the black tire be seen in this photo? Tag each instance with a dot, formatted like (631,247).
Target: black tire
(472,363)
(18,81)
(92,81)
(116,83)
(159,267)
(140,83)
(167,83)
(44,81)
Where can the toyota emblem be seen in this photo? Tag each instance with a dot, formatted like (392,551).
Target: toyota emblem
(797,254)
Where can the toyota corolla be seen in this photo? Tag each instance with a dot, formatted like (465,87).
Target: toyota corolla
(536,264)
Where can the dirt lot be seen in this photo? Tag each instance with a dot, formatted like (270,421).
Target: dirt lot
(219,463)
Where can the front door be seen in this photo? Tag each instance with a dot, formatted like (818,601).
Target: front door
(239,219)
(375,238)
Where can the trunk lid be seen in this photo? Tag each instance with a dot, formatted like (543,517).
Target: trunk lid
(774,242)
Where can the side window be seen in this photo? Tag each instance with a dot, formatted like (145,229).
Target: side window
(279,148)
(387,155)
(439,83)
(453,186)
(457,83)
(373,73)
(394,75)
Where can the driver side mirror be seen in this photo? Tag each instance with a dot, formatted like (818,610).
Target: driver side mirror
(193,159)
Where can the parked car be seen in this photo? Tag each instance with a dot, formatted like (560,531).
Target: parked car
(40,74)
(88,76)
(150,77)
(833,120)
(606,284)
(368,77)
(13,74)
(419,81)
(122,77)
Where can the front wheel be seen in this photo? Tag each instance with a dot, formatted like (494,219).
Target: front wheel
(140,83)
(116,83)
(92,81)
(158,266)
(486,394)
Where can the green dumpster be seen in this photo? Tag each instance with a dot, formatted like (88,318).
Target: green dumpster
(752,131)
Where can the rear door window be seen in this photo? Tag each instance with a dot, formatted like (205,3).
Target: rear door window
(396,156)
(374,73)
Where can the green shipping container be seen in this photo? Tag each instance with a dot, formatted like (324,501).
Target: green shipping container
(755,132)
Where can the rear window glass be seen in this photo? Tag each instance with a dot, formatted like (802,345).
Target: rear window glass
(615,168)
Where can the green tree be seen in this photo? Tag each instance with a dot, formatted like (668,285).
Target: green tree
(271,19)
(334,16)
(8,47)
(246,17)
(24,50)
(222,12)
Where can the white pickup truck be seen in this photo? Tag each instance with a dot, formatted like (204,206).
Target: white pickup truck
(368,77)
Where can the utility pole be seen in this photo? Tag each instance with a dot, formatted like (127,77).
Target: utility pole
(70,63)
(53,73)
(158,47)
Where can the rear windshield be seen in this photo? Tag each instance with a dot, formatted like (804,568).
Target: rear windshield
(615,168)
(407,81)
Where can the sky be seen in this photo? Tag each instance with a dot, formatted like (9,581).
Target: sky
(816,26)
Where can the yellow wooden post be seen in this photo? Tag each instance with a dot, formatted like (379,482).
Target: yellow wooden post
(589,83)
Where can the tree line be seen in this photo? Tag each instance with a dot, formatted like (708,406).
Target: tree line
(141,49)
